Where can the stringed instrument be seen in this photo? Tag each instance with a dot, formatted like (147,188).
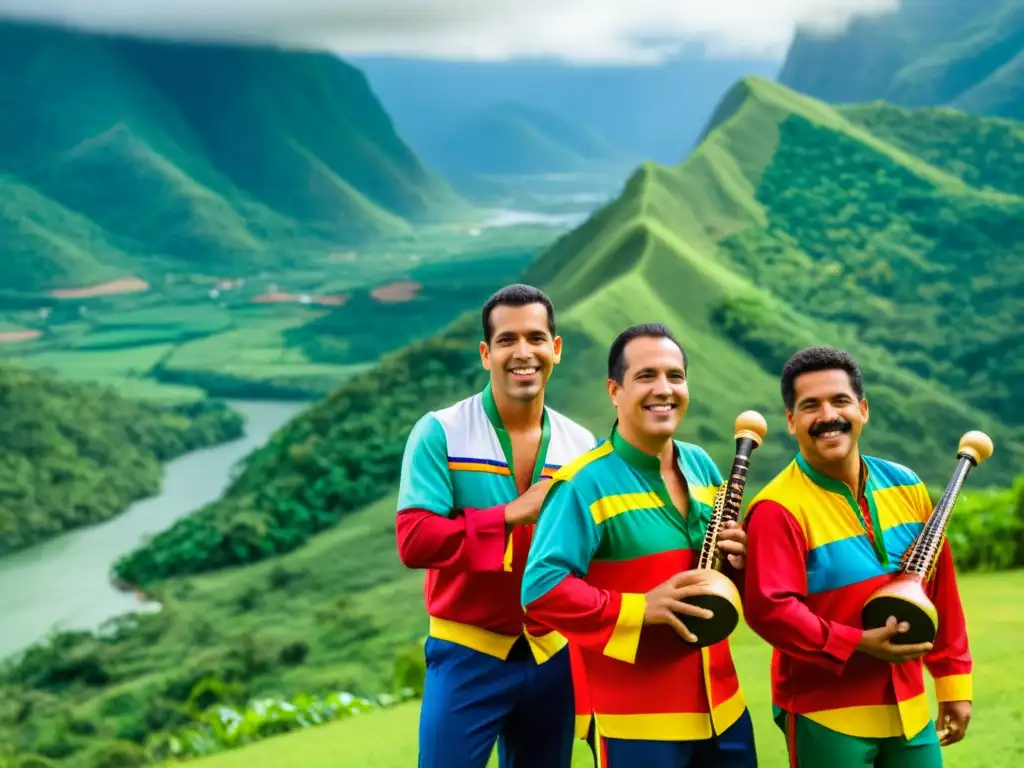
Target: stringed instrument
(725,603)
(904,597)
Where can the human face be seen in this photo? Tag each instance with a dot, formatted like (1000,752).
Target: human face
(522,351)
(827,418)
(653,397)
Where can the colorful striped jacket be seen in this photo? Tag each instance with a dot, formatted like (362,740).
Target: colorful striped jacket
(607,534)
(815,552)
(456,480)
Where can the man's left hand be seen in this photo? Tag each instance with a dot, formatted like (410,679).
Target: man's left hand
(732,542)
(952,722)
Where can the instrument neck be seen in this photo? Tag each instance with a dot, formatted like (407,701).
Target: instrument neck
(727,504)
(926,547)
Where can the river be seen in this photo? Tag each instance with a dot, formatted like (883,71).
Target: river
(65,582)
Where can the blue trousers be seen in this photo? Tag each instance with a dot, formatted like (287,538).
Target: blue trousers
(733,748)
(472,700)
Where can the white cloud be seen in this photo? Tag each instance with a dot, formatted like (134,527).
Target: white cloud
(575,30)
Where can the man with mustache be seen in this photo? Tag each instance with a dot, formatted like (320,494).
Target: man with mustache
(823,535)
(610,567)
(474,476)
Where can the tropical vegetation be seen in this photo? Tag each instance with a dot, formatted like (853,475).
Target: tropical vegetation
(75,454)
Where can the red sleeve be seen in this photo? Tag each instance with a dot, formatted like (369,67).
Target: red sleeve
(605,621)
(949,661)
(776,590)
(470,540)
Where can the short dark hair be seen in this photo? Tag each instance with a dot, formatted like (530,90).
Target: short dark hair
(820,358)
(516,295)
(617,353)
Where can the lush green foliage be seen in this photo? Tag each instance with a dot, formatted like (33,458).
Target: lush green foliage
(902,259)
(74,454)
(219,157)
(221,728)
(987,531)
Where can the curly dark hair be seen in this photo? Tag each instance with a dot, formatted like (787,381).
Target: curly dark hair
(820,358)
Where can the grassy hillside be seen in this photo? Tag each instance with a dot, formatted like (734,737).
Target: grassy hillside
(73,455)
(213,158)
(388,739)
(792,224)
(964,55)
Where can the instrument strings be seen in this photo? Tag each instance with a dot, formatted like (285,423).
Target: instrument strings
(926,547)
(727,507)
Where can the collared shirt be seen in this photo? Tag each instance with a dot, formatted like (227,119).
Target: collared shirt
(457,476)
(608,533)
(816,550)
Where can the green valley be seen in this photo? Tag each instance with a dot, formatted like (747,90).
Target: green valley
(183,218)
(516,138)
(75,454)
(892,232)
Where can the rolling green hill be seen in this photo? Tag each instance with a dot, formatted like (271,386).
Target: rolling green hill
(73,455)
(515,138)
(895,233)
(966,55)
(791,224)
(123,157)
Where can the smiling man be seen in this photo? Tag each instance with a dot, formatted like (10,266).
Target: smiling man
(474,476)
(621,528)
(823,535)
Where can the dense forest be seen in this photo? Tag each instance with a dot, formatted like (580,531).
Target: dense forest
(76,454)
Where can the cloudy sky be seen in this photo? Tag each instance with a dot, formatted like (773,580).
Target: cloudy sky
(574,30)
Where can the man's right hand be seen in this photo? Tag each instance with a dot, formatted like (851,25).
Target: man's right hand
(877,643)
(526,509)
(665,601)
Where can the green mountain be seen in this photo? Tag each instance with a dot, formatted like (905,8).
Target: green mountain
(895,233)
(121,156)
(516,138)
(967,55)
(73,455)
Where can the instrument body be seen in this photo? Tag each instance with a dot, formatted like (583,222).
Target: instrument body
(905,597)
(725,602)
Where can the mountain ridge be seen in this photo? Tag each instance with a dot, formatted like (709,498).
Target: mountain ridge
(212,156)
(968,56)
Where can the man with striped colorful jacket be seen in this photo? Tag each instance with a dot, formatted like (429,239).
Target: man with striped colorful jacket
(474,475)
(611,562)
(823,535)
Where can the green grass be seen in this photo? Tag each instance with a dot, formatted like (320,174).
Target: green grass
(387,739)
